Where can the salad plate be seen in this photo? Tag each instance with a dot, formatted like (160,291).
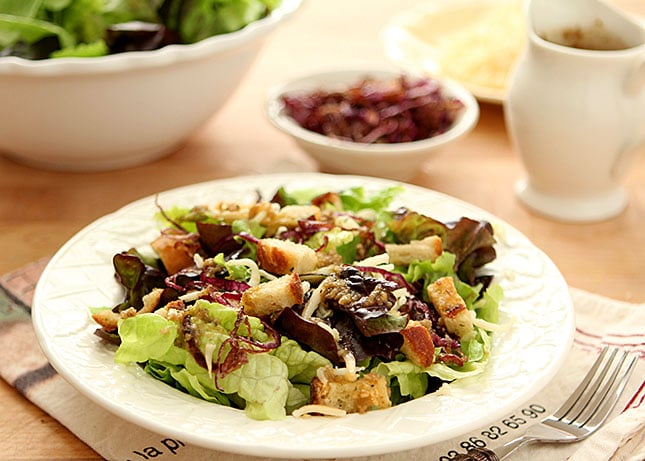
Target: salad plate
(536,314)
(474,42)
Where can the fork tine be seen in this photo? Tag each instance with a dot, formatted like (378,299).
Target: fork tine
(601,414)
(591,403)
(601,393)
(582,387)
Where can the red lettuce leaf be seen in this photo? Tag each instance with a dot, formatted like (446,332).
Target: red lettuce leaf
(471,241)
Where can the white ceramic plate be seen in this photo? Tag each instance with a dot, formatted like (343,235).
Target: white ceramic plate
(80,275)
(474,42)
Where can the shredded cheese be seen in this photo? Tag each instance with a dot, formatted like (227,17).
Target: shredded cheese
(252,265)
(350,371)
(378,260)
(488,326)
(267,275)
(308,410)
(173,314)
(324,326)
(401,295)
(445,389)
(346,222)
(199,261)
(320,374)
(193,295)
(313,302)
(208,356)
(485,52)
(261,216)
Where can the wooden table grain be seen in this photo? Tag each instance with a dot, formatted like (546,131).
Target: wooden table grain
(40,210)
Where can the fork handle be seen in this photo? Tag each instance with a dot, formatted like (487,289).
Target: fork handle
(478,454)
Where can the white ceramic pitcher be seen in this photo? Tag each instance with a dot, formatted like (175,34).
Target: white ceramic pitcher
(576,116)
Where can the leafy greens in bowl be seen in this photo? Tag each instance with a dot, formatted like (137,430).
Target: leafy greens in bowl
(323,302)
(37,29)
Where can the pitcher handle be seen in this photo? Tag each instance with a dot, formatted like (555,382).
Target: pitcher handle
(635,81)
(634,84)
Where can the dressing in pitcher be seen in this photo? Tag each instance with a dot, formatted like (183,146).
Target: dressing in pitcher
(575,109)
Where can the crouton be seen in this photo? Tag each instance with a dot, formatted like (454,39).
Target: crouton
(229,211)
(328,198)
(176,250)
(451,307)
(174,310)
(289,216)
(109,319)
(331,258)
(417,250)
(417,344)
(273,296)
(151,301)
(368,392)
(282,257)
(264,212)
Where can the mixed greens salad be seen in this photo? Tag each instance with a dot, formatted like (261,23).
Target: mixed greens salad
(310,302)
(39,29)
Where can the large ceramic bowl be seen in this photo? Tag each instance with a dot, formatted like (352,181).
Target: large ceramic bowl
(125,109)
(399,161)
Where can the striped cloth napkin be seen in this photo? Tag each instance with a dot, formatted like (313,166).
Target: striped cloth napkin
(599,321)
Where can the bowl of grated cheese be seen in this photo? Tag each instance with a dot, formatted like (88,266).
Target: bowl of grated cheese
(476,43)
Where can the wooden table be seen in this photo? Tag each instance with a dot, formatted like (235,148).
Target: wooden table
(40,210)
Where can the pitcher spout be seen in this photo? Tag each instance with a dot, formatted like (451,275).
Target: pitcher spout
(593,25)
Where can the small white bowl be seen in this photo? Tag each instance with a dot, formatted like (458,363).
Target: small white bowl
(400,161)
(121,110)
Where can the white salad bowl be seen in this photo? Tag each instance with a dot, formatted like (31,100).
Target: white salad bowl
(399,161)
(121,110)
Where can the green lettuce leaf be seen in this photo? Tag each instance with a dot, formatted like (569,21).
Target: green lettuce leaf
(487,307)
(352,199)
(302,365)
(413,380)
(26,8)
(30,30)
(337,240)
(431,271)
(298,396)
(210,17)
(261,385)
(236,271)
(144,337)
(357,198)
(82,50)
(179,377)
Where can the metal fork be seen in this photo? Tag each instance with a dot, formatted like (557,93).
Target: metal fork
(583,412)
